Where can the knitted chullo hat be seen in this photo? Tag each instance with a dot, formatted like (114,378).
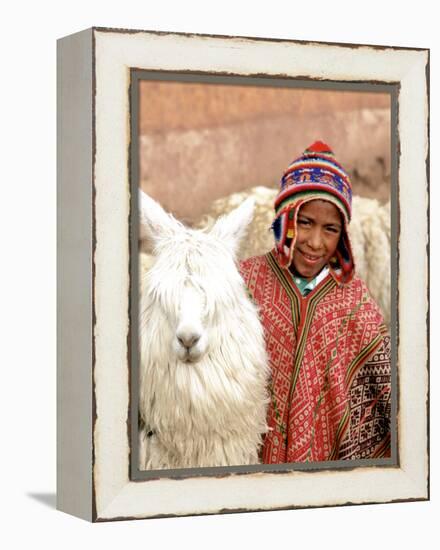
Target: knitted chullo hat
(314,175)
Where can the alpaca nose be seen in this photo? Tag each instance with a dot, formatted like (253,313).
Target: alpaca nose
(188,339)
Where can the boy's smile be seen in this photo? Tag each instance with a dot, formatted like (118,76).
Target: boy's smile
(319,227)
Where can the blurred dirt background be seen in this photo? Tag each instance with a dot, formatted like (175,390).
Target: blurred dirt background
(200,142)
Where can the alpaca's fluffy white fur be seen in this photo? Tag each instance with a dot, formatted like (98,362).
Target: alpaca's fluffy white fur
(369,233)
(204,404)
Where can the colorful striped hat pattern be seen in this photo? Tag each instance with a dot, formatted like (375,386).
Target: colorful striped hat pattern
(314,175)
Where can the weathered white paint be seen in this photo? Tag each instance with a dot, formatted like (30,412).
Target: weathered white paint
(116,495)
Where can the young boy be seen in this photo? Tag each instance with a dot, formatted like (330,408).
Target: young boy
(328,347)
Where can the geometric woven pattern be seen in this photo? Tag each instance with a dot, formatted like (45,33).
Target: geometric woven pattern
(368,434)
(329,355)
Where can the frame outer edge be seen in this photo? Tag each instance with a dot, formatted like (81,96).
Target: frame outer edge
(74,274)
(224,511)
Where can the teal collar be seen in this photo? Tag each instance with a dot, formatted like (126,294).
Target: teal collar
(305,286)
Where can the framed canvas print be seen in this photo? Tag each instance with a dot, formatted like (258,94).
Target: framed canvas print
(242,274)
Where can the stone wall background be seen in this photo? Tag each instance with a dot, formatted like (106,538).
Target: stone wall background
(200,142)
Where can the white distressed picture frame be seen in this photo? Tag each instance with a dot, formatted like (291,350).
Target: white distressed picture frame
(94,213)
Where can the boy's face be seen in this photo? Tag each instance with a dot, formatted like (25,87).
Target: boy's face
(319,227)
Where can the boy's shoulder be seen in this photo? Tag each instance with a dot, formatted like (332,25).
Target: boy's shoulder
(252,265)
(357,282)
(361,294)
(253,260)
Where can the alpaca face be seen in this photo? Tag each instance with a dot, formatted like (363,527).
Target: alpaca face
(192,280)
(190,340)
(184,290)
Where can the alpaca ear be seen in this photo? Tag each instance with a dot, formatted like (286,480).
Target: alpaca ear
(154,222)
(232,227)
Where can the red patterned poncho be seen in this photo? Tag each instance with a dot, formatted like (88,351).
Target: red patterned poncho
(329,354)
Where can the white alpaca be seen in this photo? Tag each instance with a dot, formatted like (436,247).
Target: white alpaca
(203,364)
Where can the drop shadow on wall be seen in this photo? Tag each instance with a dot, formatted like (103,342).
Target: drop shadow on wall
(48,499)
